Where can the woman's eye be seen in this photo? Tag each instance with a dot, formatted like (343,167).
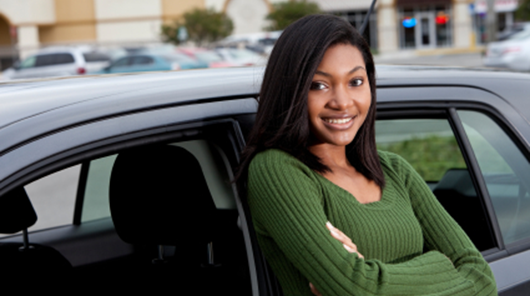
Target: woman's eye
(317,86)
(356,82)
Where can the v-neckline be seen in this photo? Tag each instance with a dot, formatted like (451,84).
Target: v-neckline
(383,202)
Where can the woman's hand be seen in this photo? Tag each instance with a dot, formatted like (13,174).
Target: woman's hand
(344,239)
(314,290)
(346,242)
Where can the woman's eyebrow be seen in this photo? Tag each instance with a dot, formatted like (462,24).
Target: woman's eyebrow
(357,68)
(350,72)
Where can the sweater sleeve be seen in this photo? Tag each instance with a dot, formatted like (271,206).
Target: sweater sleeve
(443,234)
(286,205)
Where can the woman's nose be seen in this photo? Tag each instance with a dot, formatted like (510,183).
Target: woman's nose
(341,99)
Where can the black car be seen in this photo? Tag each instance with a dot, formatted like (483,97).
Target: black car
(132,173)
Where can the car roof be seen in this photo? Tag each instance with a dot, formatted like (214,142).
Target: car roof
(49,104)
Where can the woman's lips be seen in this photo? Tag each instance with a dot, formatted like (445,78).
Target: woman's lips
(338,123)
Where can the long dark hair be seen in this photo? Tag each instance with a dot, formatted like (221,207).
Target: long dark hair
(282,119)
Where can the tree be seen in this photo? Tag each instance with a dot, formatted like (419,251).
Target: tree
(202,25)
(523,12)
(286,13)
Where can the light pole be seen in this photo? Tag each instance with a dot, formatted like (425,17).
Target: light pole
(491,22)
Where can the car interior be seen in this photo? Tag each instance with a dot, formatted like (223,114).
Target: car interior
(165,210)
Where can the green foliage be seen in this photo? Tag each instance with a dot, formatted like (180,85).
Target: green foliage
(286,13)
(203,26)
(431,156)
(523,11)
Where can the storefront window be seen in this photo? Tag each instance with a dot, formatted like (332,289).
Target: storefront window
(408,25)
(425,27)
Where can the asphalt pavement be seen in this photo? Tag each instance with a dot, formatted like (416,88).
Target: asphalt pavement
(410,58)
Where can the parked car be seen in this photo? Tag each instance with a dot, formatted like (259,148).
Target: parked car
(152,62)
(512,53)
(241,57)
(261,43)
(58,61)
(210,57)
(130,174)
(510,31)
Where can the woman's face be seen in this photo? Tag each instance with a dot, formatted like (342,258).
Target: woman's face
(339,97)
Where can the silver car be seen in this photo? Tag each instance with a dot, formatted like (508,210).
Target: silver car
(512,53)
(55,62)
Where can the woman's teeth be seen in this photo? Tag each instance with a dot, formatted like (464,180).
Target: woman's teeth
(338,121)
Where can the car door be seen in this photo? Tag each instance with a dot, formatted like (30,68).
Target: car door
(475,164)
(78,171)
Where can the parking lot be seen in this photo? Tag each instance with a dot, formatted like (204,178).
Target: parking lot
(410,58)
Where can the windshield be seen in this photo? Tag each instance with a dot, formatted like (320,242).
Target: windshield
(521,35)
(242,53)
(178,58)
(208,56)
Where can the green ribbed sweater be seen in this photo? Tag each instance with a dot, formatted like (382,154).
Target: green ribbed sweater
(291,203)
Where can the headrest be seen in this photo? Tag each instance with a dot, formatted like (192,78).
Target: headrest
(16,211)
(158,194)
(458,180)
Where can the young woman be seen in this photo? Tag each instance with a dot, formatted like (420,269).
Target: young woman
(312,165)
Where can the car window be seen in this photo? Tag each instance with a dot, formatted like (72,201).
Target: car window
(122,62)
(44,60)
(96,57)
(178,58)
(209,56)
(62,58)
(53,197)
(506,172)
(523,35)
(430,146)
(210,157)
(142,60)
(29,62)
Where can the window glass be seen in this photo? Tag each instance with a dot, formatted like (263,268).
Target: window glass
(142,60)
(506,172)
(29,62)
(211,158)
(44,60)
(96,57)
(96,201)
(122,62)
(62,58)
(53,198)
(429,145)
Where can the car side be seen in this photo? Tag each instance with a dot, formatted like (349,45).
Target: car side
(55,62)
(444,115)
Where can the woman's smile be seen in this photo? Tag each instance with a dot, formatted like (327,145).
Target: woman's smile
(339,123)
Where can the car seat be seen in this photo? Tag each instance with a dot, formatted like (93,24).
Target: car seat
(159,197)
(457,194)
(17,214)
